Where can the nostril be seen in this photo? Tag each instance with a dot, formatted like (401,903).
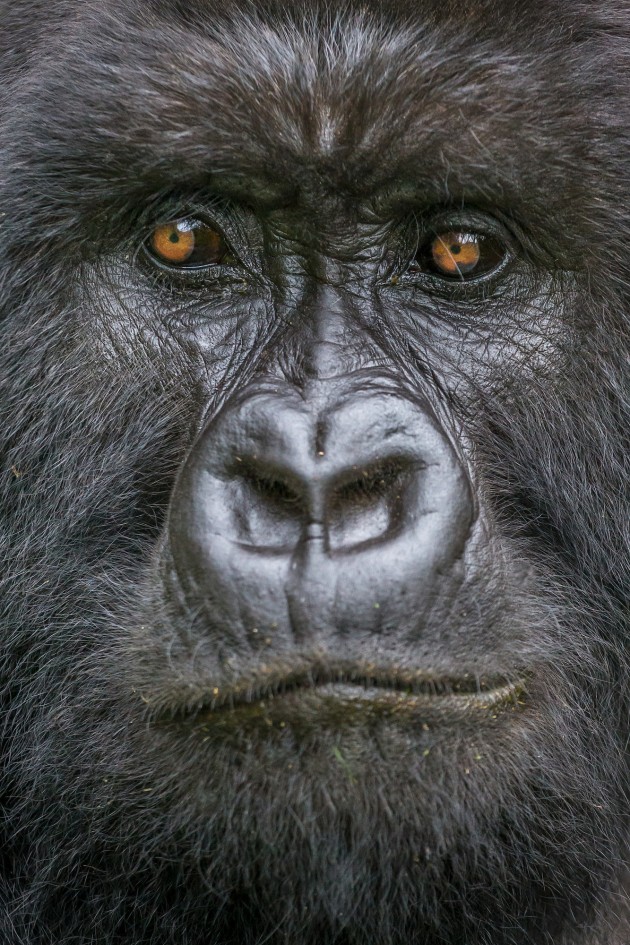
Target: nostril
(368,503)
(367,484)
(271,487)
(270,506)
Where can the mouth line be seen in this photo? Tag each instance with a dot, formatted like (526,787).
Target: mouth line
(387,687)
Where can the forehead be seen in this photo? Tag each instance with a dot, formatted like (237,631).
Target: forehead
(292,105)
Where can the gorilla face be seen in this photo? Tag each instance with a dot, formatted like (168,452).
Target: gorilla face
(314,424)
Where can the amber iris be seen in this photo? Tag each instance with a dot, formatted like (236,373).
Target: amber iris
(456,254)
(188,244)
(461,255)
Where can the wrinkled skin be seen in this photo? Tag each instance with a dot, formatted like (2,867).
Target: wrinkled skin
(315,556)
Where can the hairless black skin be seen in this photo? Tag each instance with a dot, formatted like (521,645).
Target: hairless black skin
(315,439)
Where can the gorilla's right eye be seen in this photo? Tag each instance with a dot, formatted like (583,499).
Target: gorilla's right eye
(188,243)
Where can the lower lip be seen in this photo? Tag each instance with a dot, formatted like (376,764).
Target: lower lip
(401,700)
(348,704)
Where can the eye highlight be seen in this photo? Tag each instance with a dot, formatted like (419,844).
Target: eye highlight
(188,243)
(460,255)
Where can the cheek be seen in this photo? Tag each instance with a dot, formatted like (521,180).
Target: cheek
(204,338)
(482,344)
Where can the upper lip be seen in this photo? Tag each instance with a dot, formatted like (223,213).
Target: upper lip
(277,681)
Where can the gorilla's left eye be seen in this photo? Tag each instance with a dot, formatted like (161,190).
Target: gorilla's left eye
(460,255)
(189,243)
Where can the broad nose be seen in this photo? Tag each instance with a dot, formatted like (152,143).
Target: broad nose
(298,513)
(281,476)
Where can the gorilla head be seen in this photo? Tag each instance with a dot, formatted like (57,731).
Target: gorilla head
(314,423)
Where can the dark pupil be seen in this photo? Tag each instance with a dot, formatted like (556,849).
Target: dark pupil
(456,248)
(174,237)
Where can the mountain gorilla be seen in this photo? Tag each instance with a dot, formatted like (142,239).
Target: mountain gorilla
(314,423)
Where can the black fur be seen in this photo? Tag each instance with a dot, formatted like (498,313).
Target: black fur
(117,830)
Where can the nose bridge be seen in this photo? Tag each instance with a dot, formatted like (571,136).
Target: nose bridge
(336,342)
